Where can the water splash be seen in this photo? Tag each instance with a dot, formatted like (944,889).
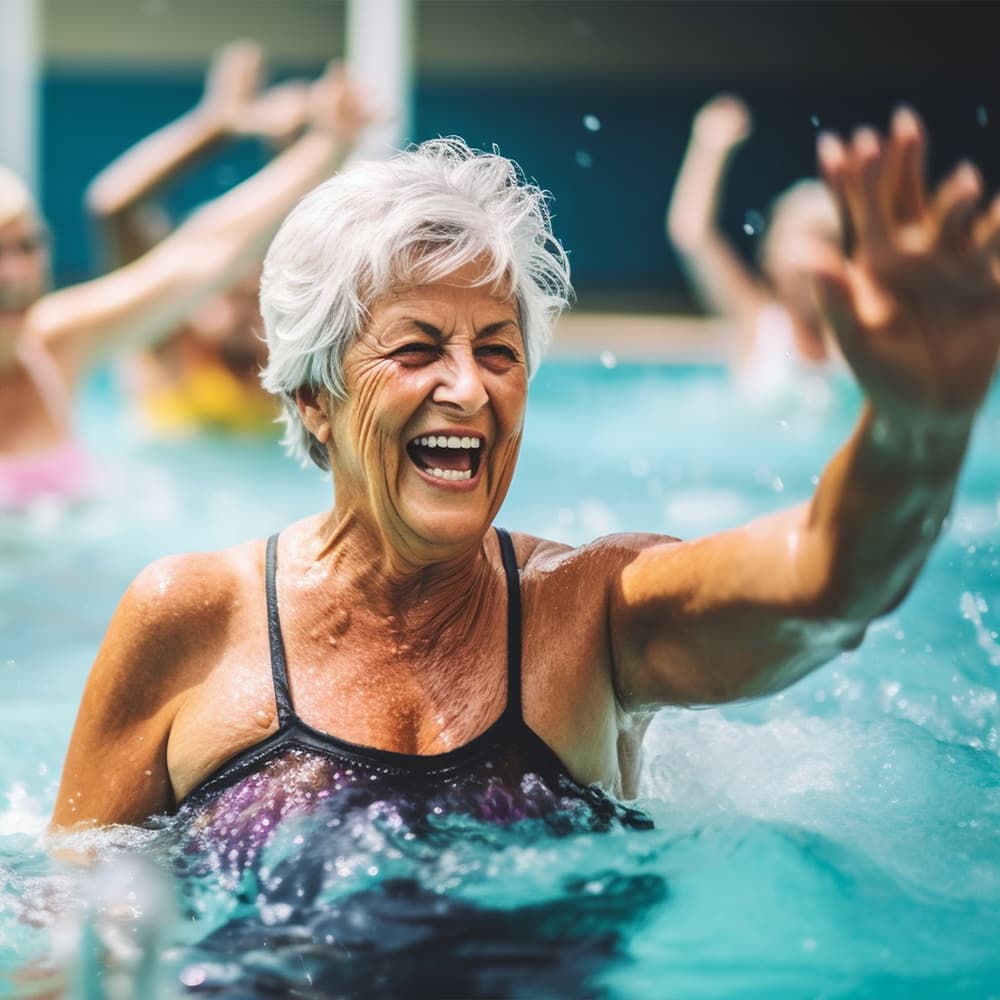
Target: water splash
(973,607)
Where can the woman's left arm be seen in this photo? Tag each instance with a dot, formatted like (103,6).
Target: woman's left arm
(916,310)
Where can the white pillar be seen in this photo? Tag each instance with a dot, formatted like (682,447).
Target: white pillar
(19,86)
(380,41)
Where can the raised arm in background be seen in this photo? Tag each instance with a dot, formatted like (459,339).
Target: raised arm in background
(149,297)
(719,276)
(122,200)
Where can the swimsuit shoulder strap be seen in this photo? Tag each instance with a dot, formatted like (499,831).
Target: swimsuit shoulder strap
(513,577)
(279,669)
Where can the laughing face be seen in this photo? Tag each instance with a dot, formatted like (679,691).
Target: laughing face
(423,449)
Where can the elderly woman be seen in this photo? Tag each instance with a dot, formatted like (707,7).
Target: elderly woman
(399,652)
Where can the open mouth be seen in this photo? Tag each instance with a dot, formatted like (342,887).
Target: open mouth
(446,456)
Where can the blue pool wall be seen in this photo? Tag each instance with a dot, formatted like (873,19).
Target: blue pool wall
(609,213)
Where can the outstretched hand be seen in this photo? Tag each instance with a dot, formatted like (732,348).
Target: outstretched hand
(916,306)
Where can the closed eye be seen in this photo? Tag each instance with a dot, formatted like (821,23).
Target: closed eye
(498,356)
(416,353)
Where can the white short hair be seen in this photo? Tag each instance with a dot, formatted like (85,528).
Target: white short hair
(15,198)
(414,218)
(805,210)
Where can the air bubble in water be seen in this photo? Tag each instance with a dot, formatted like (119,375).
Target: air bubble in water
(982,116)
(608,359)
(814,121)
(584,159)
(592,123)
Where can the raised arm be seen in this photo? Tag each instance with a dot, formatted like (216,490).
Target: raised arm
(121,198)
(721,279)
(148,298)
(917,313)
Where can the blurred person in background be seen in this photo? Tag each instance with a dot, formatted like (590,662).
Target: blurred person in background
(205,374)
(49,341)
(781,330)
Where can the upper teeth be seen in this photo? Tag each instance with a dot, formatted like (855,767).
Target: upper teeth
(440,441)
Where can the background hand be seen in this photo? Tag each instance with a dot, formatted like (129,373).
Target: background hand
(339,106)
(232,84)
(722,123)
(281,112)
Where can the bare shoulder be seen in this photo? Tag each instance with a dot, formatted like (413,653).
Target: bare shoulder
(178,610)
(596,561)
(194,585)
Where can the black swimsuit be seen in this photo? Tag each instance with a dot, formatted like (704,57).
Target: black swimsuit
(504,775)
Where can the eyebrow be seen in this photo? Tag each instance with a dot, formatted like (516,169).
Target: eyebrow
(432,331)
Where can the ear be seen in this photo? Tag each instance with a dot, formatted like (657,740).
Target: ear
(314,408)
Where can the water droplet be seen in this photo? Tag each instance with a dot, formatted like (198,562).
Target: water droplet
(608,359)
(592,123)
(982,116)
(193,975)
(814,121)
(753,222)
(584,159)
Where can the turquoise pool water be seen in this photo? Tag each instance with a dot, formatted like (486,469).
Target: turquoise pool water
(839,840)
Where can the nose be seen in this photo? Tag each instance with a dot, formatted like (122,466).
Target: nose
(461,386)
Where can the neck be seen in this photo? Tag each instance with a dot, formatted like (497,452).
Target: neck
(435,614)
(10,356)
(362,556)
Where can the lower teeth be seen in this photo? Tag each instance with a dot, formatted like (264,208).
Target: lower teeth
(451,474)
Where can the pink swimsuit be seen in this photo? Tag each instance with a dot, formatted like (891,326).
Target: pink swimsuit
(61,471)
